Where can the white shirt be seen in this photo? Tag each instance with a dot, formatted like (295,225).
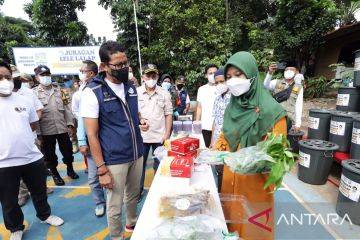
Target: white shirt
(75,102)
(31,97)
(206,96)
(271,84)
(17,145)
(89,104)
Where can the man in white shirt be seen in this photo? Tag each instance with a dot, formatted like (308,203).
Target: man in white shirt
(87,72)
(20,158)
(205,103)
(109,107)
(288,93)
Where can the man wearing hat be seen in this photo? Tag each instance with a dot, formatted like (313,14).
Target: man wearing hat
(56,124)
(183,99)
(155,106)
(288,93)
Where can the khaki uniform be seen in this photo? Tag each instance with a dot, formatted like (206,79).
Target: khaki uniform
(288,105)
(57,115)
(54,124)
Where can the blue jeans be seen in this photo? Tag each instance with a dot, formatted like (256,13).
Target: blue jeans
(96,189)
(147,147)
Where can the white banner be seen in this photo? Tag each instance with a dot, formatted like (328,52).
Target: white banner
(60,60)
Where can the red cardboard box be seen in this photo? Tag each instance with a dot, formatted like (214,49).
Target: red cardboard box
(185,145)
(176,154)
(182,167)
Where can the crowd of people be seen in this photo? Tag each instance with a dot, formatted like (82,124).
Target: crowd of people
(116,123)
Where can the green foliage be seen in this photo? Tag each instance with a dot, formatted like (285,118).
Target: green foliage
(263,58)
(181,37)
(283,159)
(299,26)
(347,11)
(15,32)
(56,22)
(316,87)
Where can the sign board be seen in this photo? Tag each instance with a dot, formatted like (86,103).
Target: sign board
(60,60)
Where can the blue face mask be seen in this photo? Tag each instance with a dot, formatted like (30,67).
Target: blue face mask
(68,84)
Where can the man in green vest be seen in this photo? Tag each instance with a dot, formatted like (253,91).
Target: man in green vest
(288,93)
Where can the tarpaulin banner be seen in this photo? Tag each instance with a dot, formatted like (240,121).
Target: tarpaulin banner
(60,60)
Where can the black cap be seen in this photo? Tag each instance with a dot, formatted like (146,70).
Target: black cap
(292,64)
(41,69)
(150,68)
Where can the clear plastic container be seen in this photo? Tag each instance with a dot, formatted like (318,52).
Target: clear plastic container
(187,126)
(177,126)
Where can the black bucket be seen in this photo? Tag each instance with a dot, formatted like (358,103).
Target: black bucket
(348,99)
(315,160)
(319,124)
(294,138)
(355,139)
(348,201)
(341,129)
(357,69)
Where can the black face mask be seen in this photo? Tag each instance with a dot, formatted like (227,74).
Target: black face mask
(121,75)
(180,86)
(17,83)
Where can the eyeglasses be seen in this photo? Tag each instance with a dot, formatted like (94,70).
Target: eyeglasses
(7,77)
(84,71)
(119,65)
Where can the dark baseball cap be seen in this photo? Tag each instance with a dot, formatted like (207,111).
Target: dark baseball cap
(150,68)
(41,69)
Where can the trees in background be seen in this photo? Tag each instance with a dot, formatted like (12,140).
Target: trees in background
(183,36)
(56,22)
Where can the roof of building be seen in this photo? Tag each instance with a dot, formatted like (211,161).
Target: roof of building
(342,31)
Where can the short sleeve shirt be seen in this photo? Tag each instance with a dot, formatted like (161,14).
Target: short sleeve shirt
(220,105)
(206,96)
(17,146)
(154,108)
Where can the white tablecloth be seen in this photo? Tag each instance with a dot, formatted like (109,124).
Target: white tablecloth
(149,216)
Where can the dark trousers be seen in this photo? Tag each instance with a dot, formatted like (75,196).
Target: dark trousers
(147,147)
(34,176)
(207,137)
(49,147)
(289,124)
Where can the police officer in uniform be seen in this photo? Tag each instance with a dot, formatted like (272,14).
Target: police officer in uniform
(56,124)
(288,93)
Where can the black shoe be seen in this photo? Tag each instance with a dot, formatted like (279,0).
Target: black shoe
(58,180)
(48,172)
(141,196)
(72,174)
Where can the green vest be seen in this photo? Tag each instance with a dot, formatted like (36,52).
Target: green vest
(288,105)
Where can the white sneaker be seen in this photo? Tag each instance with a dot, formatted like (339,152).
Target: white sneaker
(53,221)
(99,210)
(16,235)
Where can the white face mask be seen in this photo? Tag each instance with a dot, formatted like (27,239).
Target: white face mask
(289,74)
(45,80)
(26,85)
(211,78)
(151,83)
(221,88)
(166,85)
(238,86)
(6,86)
(131,75)
(82,77)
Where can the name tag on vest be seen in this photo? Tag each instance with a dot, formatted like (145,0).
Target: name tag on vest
(109,99)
